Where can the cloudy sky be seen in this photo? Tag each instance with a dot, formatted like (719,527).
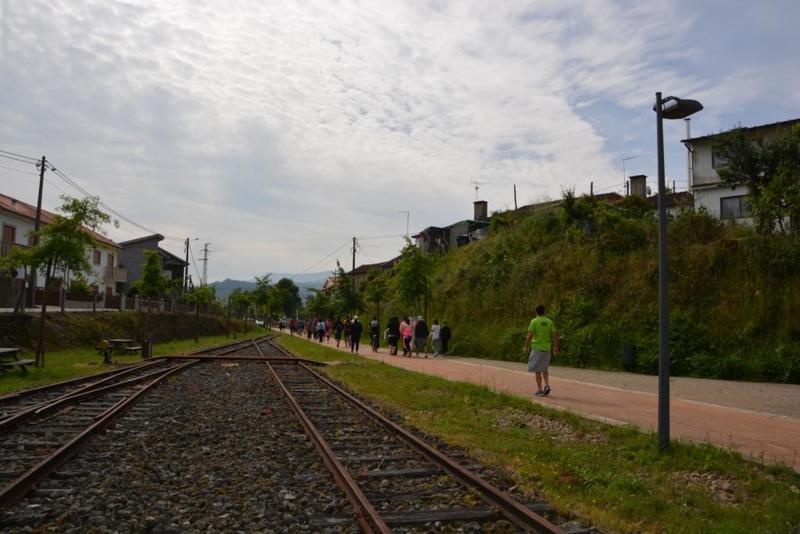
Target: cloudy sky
(277,131)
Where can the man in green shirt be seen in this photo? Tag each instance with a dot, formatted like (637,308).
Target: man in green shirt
(545,342)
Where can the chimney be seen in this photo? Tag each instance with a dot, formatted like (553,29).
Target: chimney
(481,210)
(639,185)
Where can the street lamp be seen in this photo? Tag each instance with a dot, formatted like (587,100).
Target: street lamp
(667,108)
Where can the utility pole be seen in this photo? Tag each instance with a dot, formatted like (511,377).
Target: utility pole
(354,253)
(204,259)
(591,189)
(186,269)
(515,196)
(32,279)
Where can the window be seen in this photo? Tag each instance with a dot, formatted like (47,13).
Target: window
(96,257)
(734,207)
(110,259)
(718,160)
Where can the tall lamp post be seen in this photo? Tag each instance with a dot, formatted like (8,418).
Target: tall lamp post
(666,108)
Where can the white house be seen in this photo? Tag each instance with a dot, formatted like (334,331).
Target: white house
(719,199)
(17,221)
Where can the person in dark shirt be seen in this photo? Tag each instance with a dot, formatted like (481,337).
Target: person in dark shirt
(374,334)
(445,334)
(355,334)
(393,334)
(338,327)
(421,336)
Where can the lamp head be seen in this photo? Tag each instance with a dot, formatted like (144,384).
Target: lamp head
(673,107)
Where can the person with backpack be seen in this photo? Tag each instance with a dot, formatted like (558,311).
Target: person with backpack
(407,331)
(393,334)
(347,331)
(320,330)
(421,336)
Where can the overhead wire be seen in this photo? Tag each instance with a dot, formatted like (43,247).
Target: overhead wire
(31,158)
(33,162)
(347,242)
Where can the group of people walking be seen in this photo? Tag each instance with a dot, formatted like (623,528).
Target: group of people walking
(413,335)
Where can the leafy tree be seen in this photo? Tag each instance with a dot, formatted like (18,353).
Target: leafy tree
(287,297)
(153,284)
(64,245)
(347,299)
(375,289)
(241,303)
(320,304)
(411,278)
(201,297)
(262,296)
(771,171)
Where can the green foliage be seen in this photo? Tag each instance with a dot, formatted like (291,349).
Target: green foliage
(733,294)
(411,278)
(771,171)
(286,298)
(153,284)
(375,289)
(79,285)
(346,297)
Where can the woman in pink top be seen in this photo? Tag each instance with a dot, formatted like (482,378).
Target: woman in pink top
(408,332)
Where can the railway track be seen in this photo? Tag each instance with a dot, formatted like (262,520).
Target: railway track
(390,480)
(393,479)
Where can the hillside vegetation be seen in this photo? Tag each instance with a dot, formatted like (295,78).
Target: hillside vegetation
(734,295)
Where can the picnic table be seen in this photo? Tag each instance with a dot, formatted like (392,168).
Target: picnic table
(9,358)
(117,346)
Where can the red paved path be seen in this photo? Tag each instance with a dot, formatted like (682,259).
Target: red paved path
(757,434)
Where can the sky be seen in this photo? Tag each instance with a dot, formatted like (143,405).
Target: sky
(277,131)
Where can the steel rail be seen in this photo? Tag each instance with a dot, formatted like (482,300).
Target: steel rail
(73,381)
(23,416)
(365,513)
(90,386)
(14,492)
(509,507)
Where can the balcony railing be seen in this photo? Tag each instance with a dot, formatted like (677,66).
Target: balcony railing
(115,274)
(6,247)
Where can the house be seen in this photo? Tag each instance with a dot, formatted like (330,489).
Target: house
(133,257)
(710,193)
(674,201)
(434,238)
(18,219)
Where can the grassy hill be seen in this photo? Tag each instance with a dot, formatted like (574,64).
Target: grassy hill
(734,295)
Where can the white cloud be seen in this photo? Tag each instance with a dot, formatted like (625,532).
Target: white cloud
(248,121)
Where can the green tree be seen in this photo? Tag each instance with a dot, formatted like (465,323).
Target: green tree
(771,171)
(64,245)
(153,284)
(346,298)
(320,304)
(202,297)
(287,297)
(375,289)
(412,278)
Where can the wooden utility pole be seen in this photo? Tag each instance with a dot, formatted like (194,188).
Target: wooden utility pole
(186,269)
(354,253)
(515,196)
(591,189)
(32,277)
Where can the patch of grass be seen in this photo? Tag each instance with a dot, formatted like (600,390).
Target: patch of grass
(614,476)
(315,351)
(76,362)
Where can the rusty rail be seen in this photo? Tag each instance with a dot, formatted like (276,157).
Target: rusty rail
(16,491)
(365,513)
(508,506)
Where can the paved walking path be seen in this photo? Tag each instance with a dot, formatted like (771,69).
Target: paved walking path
(756,419)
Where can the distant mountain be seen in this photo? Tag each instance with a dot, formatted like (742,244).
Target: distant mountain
(306,282)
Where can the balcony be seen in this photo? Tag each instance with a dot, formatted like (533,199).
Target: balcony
(115,274)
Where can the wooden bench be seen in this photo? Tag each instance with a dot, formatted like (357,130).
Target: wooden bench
(9,358)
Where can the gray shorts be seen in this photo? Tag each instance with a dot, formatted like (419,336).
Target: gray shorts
(538,361)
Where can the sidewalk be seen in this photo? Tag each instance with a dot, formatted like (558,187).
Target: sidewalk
(756,419)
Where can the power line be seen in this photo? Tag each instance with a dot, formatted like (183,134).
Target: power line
(31,158)
(17,170)
(347,242)
(18,159)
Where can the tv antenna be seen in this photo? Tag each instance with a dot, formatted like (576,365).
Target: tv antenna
(476,185)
